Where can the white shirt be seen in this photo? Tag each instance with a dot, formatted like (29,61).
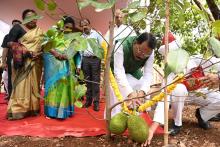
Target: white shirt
(120,32)
(95,35)
(120,74)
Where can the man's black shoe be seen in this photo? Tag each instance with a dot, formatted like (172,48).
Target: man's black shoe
(96,107)
(203,124)
(215,118)
(86,105)
(82,99)
(175,130)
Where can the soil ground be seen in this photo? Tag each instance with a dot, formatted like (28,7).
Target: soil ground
(190,136)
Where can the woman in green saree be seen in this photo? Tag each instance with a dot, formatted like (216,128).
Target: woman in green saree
(58,76)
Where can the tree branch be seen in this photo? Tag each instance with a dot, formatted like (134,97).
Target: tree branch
(203,9)
(214,9)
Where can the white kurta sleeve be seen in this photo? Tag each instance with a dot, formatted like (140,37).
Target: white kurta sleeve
(119,70)
(148,74)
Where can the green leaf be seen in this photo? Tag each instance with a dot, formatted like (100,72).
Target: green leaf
(97,49)
(59,34)
(50,45)
(215,44)
(186,5)
(181,20)
(51,5)
(40,4)
(60,24)
(152,7)
(72,36)
(83,4)
(200,94)
(142,24)
(179,5)
(51,32)
(177,60)
(31,18)
(134,5)
(216,27)
(60,43)
(138,16)
(167,70)
(80,90)
(78,104)
(70,52)
(102,6)
(162,13)
(79,44)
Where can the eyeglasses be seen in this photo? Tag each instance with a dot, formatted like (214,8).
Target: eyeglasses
(143,52)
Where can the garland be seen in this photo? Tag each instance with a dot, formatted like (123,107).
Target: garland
(161,95)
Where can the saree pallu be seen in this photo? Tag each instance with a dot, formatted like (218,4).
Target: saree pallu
(25,98)
(59,86)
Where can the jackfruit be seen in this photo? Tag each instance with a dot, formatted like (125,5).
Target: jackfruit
(118,123)
(137,128)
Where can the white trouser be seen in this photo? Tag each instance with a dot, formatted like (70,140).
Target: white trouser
(210,106)
(5,80)
(134,83)
(177,97)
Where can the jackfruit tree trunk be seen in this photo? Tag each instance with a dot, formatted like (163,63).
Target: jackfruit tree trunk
(107,71)
(166,107)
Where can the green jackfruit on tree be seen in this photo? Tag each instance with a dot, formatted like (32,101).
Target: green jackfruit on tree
(137,128)
(118,123)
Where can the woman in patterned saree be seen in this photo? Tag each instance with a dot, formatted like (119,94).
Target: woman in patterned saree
(25,42)
(58,76)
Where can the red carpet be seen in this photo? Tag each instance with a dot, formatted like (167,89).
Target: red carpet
(80,125)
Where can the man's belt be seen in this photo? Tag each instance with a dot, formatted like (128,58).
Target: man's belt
(91,57)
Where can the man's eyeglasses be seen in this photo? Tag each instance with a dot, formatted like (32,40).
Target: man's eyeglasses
(144,52)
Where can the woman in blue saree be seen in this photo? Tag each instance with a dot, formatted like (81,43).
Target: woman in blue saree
(58,76)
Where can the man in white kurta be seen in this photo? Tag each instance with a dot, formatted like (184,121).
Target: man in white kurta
(120,30)
(210,105)
(181,94)
(128,60)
